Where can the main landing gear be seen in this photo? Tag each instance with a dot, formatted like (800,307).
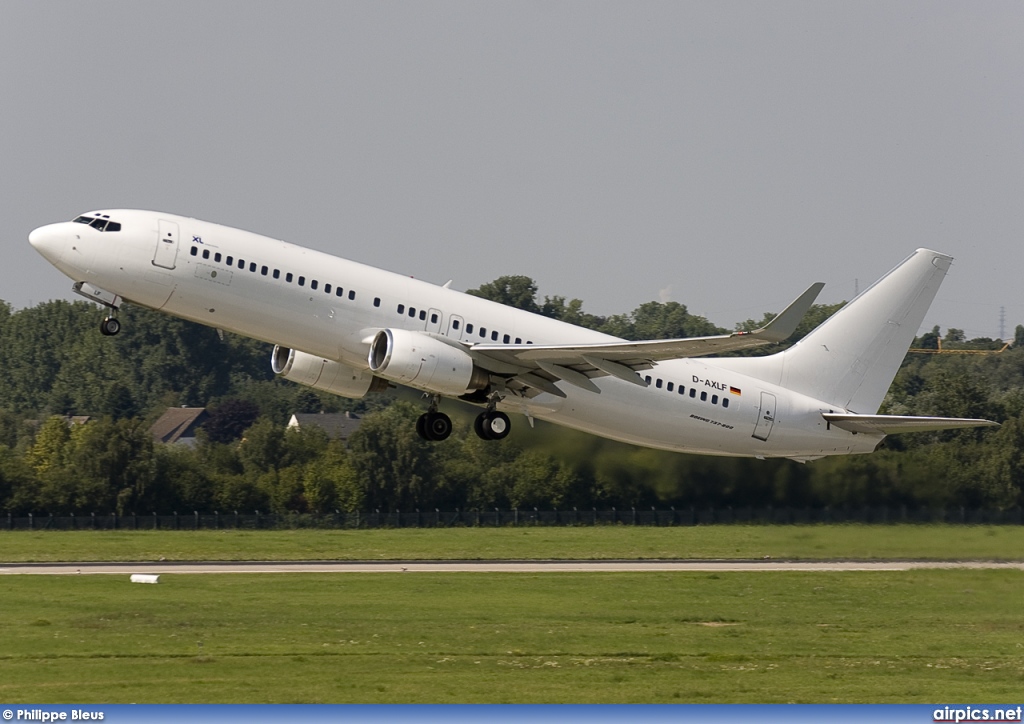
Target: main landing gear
(433,425)
(491,424)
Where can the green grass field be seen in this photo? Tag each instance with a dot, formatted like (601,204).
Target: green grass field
(627,542)
(922,636)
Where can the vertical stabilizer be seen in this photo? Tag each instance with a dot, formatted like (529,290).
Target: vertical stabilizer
(852,358)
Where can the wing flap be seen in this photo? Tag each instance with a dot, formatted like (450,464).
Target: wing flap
(893,424)
(621,358)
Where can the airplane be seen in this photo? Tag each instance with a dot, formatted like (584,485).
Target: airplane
(352,330)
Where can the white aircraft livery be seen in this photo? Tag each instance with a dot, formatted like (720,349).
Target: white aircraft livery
(352,329)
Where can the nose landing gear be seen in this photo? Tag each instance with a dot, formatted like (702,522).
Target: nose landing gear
(110,325)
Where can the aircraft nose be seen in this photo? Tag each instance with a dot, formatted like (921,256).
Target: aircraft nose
(49,240)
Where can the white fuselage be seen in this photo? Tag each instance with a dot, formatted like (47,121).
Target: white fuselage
(331,307)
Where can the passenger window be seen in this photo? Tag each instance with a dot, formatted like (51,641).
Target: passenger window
(455,324)
(693,392)
(376,301)
(264,270)
(277,274)
(494,336)
(216,257)
(658,383)
(401,309)
(714,399)
(339,291)
(351,294)
(725,402)
(703,396)
(505,339)
(433,319)
(241,263)
(682,389)
(469,329)
(302,281)
(288,277)
(670,386)
(252,266)
(206,253)
(483,331)
(519,340)
(194,251)
(412,311)
(647,379)
(312,284)
(423,315)
(230,261)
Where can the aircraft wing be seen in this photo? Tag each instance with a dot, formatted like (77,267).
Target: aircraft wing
(892,424)
(576,364)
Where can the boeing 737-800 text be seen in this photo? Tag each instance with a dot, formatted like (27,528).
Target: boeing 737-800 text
(352,329)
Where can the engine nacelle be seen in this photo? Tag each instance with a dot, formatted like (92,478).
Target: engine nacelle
(324,374)
(419,360)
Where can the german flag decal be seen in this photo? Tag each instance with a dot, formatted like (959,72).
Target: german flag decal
(735,390)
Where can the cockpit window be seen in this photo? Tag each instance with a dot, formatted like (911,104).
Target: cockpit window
(99,223)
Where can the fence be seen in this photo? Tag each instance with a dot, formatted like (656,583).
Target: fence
(495,518)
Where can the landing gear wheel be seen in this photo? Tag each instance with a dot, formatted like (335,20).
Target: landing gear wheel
(110,326)
(435,426)
(492,425)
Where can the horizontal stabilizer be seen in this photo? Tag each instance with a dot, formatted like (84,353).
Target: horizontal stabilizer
(893,424)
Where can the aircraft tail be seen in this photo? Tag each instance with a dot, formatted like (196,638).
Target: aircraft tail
(851,358)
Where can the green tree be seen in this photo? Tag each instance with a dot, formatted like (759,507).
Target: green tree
(513,291)
(392,462)
(230,419)
(48,452)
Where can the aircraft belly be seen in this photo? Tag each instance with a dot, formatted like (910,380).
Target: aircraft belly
(660,421)
(265,317)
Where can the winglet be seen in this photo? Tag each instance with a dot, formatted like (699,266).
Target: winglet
(786,322)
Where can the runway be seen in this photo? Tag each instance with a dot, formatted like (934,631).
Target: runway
(560,566)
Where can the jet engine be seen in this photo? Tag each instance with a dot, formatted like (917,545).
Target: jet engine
(324,374)
(419,360)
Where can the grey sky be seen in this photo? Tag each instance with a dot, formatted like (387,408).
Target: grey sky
(721,154)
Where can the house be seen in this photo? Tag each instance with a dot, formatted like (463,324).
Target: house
(337,425)
(178,425)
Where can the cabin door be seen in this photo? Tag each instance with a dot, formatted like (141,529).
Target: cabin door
(166,244)
(766,417)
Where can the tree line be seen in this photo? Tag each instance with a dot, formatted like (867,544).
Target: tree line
(56,364)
